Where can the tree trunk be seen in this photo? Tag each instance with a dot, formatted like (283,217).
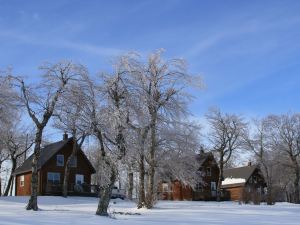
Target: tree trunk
(32,203)
(10,180)
(68,168)
(105,194)
(0,180)
(287,196)
(141,199)
(66,178)
(296,186)
(220,179)
(12,187)
(296,180)
(269,196)
(130,185)
(150,193)
(269,193)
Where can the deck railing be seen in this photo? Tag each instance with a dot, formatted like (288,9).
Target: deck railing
(75,189)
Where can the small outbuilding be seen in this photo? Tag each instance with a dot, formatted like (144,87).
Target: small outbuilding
(239,181)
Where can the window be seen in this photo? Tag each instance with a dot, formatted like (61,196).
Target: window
(79,179)
(53,178)
(199,187)
(259,190)
(165,187)
(22,180)
(213,186)
(254,179)
(60,160)
(73,162)
(208,171)
(250,180)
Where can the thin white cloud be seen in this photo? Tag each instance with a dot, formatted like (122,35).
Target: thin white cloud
(61,43)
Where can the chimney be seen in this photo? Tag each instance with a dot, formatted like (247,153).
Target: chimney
(249,163)
(65,136)
(201,150)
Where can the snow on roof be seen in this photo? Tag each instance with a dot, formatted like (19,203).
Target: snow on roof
(230,180)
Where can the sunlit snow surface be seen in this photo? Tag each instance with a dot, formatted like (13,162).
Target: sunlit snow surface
(81,210)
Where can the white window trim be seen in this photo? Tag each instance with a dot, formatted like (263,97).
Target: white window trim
(199,187)
(77,176)
(165,187)
(53,177)
(208,169)
(61,155)
(213,186)
(22,181)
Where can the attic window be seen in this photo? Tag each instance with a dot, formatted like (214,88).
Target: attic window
(60,160)
(22,181)
(208,171)
(254,179)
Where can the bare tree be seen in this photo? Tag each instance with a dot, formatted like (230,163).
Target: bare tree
(105,111)
(72,118)
(8,108)
(17,140)
(285,131)
(3,157)
(157,86)
(179,143)
(8,104)
(258,141)
(225,136)
(40,102)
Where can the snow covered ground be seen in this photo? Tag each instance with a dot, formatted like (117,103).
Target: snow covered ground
(81,210)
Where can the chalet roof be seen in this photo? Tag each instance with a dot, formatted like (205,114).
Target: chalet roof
(200,158)
(203,156)
(46,153)
(244,172)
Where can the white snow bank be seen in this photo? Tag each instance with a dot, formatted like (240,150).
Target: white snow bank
(229,180)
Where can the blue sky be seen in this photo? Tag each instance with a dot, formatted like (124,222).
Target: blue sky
(248,52)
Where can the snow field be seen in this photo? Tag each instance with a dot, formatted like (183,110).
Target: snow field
(81,210)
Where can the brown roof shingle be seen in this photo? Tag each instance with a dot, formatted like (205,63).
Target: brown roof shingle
(46,153)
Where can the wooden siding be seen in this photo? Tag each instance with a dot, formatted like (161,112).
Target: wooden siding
(178,191)
(82,168)
(255,182)
(235,193)
(206,193)
(181,192)
(26,189)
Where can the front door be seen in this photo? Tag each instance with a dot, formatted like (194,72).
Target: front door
(213,188)
(79,179)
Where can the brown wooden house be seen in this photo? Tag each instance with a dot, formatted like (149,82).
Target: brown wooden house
(205,190)
(51,166)
(238,181)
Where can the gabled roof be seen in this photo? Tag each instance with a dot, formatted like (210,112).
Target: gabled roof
(46,153)
(203,156)
(244,172)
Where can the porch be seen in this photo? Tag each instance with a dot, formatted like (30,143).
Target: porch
(73,189)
